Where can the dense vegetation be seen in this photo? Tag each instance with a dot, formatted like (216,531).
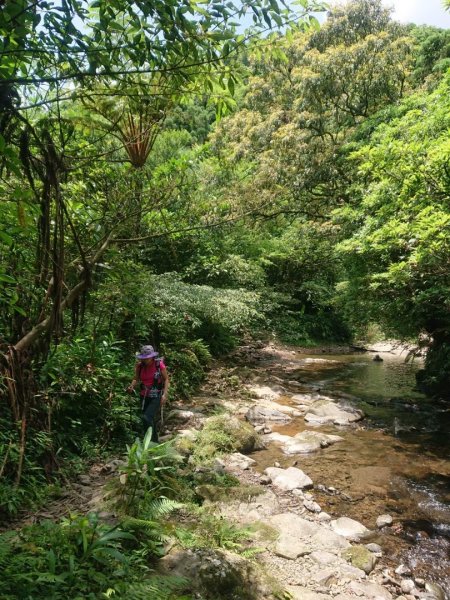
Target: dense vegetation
(167,179)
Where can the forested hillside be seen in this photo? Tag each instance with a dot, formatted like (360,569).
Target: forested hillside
(168,178)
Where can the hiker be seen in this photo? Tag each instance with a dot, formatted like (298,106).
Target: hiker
(151,374)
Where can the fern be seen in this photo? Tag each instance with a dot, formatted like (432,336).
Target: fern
(156,588)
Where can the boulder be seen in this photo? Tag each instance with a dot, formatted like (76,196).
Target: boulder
(217,575)
(260,414)
(349,528)
(288,479)
(303,442)
(298,536)
(238,461)
(361,558)
(369,590)
(327,411)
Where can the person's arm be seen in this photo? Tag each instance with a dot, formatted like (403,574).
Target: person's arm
(166,384)
(135,380)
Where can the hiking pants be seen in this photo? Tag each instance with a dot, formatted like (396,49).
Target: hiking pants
(151,414)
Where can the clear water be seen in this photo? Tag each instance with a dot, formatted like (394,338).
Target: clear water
(396,461)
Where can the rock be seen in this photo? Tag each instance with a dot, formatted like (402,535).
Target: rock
(361,558)
(369,591)
(322,557)
(304,442)
(288,479)
(324,577)
(419,582)
(304,399)
(435,591)
(350,529)
(302,593)
(375,548)
(352,573)
(407,586)
(402,570)
(239,461)
(303,534)
(265,480)
(229,575)
(384,520)
(259,414)
(324,517)
(377,358)
(181,415)
(327,411)
(312,506)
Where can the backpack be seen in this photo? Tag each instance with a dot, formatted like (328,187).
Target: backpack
(157,384)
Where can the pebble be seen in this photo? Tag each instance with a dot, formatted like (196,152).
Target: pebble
(419,582)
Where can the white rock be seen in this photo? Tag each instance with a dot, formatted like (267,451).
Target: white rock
(288,479)
(349,528)
(239,461)
(407,586)
(384,520)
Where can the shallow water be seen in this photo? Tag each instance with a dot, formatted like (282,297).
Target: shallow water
(396,461)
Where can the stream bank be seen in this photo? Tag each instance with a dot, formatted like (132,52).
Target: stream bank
(372,493)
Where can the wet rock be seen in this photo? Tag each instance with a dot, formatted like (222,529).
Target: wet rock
(288,479)
(384,520)
(349,528)
(304,442)
(260,414)
(327,411)
(435,591)
(265,392)
(361,558)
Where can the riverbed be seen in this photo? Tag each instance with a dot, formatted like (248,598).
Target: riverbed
(395,461)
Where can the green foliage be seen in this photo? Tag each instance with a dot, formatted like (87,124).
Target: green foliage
(398,243)
(220,435)
(75,558)
(148,474)
(210,531)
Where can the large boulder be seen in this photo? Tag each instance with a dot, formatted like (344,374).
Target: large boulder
(298,536)
(327,411)
(217,575)
(288,479)
(350,529)
(261,414)
(303,442)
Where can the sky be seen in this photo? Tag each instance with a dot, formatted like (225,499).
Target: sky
(429,12)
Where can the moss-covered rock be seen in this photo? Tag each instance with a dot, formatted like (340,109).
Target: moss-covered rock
(361,558)
(221,434)
(218,575)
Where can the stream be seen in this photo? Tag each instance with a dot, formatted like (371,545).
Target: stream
(396,461)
